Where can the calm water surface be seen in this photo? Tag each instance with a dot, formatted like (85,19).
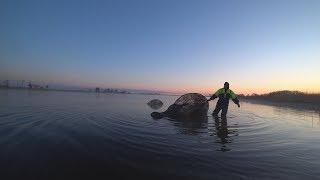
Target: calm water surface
(64,135)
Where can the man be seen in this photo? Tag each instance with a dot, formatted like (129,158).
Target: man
(224,95)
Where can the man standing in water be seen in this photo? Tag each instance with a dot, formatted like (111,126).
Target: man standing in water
(224,95)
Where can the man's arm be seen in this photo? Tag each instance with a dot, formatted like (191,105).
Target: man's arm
(234,98)
(212,97)
(236,101)
(215,95)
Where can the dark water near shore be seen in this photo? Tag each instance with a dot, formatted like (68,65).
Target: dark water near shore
(64,135)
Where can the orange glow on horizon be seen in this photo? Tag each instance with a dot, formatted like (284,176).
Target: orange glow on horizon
(239,90)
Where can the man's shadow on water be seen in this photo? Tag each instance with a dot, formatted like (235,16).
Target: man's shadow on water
(222,132)
(195,126)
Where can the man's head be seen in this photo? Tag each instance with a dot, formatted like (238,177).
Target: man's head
(226,85)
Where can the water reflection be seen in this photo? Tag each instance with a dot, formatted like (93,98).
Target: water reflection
(207,127)
(190,126)
(87,134)
(224,133)
(297,115)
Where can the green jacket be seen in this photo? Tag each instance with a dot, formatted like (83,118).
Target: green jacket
(225,95)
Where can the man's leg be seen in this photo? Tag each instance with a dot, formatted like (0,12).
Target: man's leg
(217,109)
(224,112)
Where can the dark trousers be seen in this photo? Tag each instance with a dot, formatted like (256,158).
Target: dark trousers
(219,107)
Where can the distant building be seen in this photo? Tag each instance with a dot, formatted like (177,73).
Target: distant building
(115,91)
(5,84)
(34,86)
(97,90)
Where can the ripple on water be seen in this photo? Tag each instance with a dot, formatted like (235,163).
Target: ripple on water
(99,133)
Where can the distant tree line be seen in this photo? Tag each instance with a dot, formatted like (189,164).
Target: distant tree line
(286,96)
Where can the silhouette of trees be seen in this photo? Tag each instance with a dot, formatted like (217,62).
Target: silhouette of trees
(287,96)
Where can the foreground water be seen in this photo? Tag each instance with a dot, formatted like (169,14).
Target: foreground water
(64,135)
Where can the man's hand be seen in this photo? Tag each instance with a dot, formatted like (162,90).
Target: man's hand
(238,104)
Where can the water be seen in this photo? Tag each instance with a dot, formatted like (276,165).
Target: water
(64,135)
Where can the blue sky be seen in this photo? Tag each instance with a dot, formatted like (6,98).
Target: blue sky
(177,46)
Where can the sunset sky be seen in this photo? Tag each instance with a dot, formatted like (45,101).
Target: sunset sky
(167,45)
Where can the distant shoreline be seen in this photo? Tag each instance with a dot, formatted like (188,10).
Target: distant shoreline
(79,90)
(293,99)
(286,98)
